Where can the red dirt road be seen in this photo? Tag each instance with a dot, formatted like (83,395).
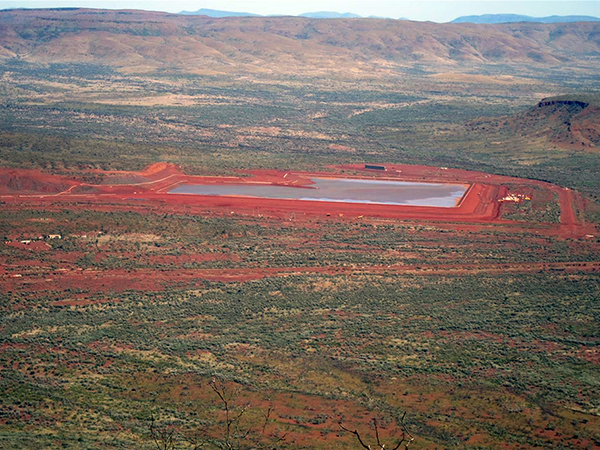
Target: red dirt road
(40,280)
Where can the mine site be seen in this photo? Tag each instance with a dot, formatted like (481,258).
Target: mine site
(228,230)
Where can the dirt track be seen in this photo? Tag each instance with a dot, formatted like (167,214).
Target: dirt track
(40,279)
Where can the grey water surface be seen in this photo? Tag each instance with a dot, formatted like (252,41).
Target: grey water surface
(341,190)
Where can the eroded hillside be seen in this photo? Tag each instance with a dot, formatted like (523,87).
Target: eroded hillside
(569,122)
(142,41)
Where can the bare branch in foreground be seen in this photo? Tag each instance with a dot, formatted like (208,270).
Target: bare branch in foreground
(407,438)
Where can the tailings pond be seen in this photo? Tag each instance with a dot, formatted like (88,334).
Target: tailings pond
(341,190)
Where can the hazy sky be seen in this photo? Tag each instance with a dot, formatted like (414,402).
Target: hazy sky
(438,10)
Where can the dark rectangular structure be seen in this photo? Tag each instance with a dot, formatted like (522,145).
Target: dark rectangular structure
(374,167)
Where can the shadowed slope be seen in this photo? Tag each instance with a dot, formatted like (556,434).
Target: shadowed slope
(569,122)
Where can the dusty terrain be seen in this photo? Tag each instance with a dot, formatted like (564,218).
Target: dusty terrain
(79,249)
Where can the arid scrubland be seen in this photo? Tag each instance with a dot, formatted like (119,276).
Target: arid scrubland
(122,308)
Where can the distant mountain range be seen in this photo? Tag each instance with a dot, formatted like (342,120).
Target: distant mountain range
(312,15)
(483,19)
(147,40)
(480,19)
(330,15)
(512,18)
(217,14)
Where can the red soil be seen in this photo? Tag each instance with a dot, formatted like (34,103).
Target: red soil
(119,280)
(34,246)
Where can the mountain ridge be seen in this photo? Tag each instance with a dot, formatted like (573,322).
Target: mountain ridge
(515,18)
(479,19)
(216,13)
(330,15)
(219,14)
(141,40)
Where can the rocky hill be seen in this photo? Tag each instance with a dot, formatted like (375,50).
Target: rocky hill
(144,41)
(568,122)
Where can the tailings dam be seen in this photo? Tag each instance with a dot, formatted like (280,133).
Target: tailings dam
(344,190)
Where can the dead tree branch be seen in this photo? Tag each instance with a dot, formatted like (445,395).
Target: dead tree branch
(355,433)
(164,438)
(407,438)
